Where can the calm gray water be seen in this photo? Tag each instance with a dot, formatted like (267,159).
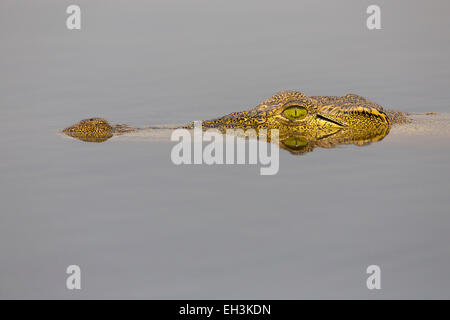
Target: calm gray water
(141,227)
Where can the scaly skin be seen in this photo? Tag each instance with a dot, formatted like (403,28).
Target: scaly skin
(319,120)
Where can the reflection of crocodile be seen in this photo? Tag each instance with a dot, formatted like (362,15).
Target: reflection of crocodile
(303,122)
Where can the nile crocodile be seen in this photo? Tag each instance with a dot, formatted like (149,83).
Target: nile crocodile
(304,122)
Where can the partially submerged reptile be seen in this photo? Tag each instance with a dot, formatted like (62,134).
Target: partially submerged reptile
(303,122)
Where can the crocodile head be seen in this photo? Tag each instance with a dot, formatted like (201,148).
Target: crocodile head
(292,111)
(348,119)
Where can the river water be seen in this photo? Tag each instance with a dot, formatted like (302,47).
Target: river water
(140,227)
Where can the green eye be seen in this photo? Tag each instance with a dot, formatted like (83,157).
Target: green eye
(295,142)
(295,113)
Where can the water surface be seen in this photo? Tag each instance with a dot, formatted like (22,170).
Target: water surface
(141,227)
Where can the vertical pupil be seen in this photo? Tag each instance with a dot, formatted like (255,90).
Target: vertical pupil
(295,112)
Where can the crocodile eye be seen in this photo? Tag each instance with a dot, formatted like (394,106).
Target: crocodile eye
(295,113)
(295,142)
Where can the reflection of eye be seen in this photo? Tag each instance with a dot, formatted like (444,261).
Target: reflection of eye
(295,113)
(295,142)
